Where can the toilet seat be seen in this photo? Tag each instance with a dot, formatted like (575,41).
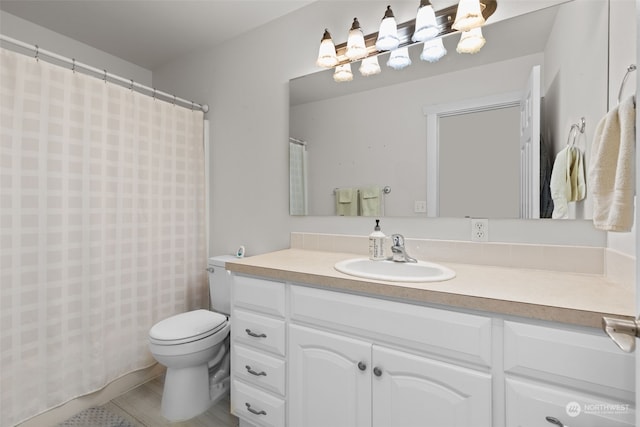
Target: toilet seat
(187,327)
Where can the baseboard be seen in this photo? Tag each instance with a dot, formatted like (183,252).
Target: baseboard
(112,390)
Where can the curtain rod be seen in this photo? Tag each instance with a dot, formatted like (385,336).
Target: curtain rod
(129,83)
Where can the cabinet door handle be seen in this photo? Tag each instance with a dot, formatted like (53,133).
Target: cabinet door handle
(257,374)
(362,366)
(253,411)
(555,421)
(210,269)
(253,334)
(377,371)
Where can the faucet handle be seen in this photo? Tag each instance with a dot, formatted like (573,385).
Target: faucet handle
(397,239)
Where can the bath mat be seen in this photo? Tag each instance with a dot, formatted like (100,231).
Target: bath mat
(96,417)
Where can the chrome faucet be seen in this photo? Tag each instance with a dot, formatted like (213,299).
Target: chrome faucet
(398,251)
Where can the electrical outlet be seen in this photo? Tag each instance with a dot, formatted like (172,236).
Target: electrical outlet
(479,230)
(420,206)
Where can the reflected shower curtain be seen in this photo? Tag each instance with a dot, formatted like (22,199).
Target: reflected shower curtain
(102,234)
(297,179)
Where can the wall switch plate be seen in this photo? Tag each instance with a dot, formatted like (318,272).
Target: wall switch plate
(420,206)
(479,230)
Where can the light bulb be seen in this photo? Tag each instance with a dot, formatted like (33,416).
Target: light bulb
(399,58)
(343,73)
(369,66)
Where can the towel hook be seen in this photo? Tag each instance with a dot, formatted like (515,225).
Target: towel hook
(579,128)
(630,68)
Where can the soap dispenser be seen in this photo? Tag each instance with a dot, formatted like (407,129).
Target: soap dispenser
(376,243)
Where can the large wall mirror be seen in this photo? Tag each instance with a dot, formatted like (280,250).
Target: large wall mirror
(375,132)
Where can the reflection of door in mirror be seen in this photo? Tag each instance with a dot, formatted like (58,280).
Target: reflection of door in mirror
(298,168)
(491,161)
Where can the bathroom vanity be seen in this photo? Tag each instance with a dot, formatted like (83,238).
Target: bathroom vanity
(492,347)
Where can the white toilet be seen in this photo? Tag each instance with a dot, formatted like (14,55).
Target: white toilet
(194,346)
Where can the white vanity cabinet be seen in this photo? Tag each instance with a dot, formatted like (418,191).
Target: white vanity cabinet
(306,356)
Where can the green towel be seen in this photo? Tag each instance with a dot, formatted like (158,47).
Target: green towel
(370,201)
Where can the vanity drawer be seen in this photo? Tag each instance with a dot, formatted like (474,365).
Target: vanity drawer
(529,403)
(583,358)
(450,334)
(257,406)
(259,368)
(258,331)
(265,296)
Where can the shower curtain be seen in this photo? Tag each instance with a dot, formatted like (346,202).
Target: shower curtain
(297,179)
(102,230)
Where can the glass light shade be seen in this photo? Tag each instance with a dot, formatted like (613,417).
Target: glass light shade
(471,41)
(426,26)
(433,50)
(369,66)
(356,48)
(343,73)
(388,32)
(399,58)
(468,15)
(327,57)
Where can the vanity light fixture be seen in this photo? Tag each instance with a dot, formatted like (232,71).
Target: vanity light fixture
(356,48)
(327,53)
(471,41)
(343,73)
(426,27)
(388,32)
(369,66)
(399,58)
(468,16)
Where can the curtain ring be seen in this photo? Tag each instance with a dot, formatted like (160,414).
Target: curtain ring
(73,65)
(192,106)
(105,75)
(154,93)
(174,100)
(37,53)
(131,86)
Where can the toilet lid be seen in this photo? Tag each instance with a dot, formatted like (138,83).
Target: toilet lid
(191,325)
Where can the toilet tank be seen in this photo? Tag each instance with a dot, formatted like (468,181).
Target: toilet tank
(220,283)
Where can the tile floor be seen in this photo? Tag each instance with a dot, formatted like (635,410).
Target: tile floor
(141,407)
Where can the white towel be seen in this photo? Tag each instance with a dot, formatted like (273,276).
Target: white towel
(612,170)
(346,201)
(567,182)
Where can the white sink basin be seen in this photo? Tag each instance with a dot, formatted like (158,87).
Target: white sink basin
(392,271)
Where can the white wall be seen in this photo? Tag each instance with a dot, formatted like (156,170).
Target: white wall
(245,82)
(30,33)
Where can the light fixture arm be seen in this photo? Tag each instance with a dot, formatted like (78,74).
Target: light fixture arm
(444,19)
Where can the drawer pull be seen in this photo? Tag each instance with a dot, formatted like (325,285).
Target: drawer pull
(377,371)
(253,411)
(555,421)
(257,374)
(253,334)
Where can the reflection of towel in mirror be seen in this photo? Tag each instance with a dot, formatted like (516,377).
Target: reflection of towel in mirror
(612,169)
(567,181)
(346,201)
(370,200)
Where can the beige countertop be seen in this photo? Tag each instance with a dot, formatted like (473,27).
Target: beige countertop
(581,299)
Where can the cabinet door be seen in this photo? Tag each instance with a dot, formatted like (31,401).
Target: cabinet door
(411,391)
(330,379)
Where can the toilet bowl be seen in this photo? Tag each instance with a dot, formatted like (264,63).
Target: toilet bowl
(194,347)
